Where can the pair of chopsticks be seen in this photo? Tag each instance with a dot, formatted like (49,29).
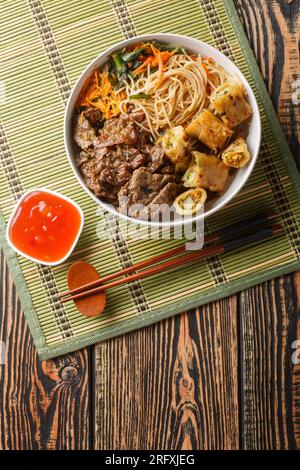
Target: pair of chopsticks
(241,238)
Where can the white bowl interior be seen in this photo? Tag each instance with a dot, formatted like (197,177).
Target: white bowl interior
(237,180)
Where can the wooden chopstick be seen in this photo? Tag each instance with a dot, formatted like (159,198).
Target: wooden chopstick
(235,244)
(233,229)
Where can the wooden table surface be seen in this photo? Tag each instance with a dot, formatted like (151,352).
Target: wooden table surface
(219,377)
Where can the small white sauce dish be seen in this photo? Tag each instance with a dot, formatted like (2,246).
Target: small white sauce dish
(14,212)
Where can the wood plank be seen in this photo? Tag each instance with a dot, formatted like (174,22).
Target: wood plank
(270,312)
(273,29)
(131,426)
(269,321)
(173,385)
(296,372)
(44,404)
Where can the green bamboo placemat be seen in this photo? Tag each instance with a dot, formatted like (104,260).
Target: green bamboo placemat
(45,46)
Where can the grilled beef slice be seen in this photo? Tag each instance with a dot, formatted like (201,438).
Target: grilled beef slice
(119,160)
(145,189)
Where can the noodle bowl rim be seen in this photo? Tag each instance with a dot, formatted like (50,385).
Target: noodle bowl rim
(197,46)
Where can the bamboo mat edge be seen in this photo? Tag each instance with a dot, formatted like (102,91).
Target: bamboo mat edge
(47,352)
(265,97)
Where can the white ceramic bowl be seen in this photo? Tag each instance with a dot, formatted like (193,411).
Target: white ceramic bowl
(62,196)
(240,176)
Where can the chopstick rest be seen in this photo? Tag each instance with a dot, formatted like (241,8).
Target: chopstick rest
(80,274)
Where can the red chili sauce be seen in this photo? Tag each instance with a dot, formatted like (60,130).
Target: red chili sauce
(45,226)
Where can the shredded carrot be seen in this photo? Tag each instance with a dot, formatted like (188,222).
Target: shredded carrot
(157,55)
(158,59)
(84,89)
(165,56)
(99,93)
(208,74)
(205,69)
(143,66)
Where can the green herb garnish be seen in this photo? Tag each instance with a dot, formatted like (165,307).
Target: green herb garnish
(130,56)
(139,96)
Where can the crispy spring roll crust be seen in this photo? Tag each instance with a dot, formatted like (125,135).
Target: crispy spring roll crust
(209,130)
(175,143)
(237,154)
(206,171)
(228,101)
(190,201)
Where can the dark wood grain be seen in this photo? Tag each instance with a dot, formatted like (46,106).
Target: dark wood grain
(269,320)
(173,385)
(273,29)
(270,312)
(44,404)
(296,372)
